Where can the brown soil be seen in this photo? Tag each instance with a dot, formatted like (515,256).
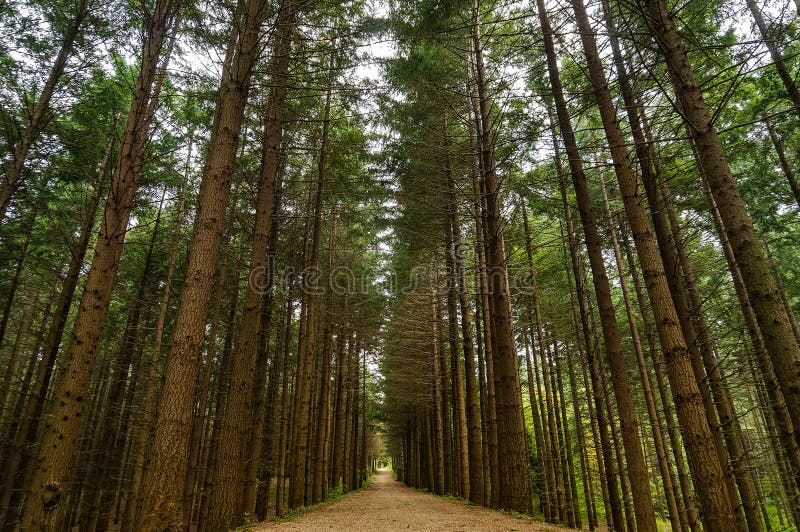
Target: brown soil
(390,505)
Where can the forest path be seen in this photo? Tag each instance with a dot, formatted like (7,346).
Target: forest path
(390,505)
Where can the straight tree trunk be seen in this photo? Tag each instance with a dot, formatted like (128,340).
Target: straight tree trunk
(9,306)
(611,498)
(636,469)
(284,419)
(12,385)
(541,473)
(650,169)
(29,420)
(263,432)
(689,519)
(124,368)
(652,413)
(307,349)
(444,405)
(438,428)
(704,463)
(320,484)
(337,454)
(362,455)
(140,440)
(204,392)
(588,491)
(221,393)
(460,428)
(781,420)
(619,453)
(574,520)
(739,456)
(551,437)
(490,421)
(785,475)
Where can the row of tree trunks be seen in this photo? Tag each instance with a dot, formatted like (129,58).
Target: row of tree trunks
(706,467)
(776,328)
(227,504)
(64,420)
(161,498)
(513,490)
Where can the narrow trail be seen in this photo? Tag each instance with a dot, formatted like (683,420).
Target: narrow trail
(390,505)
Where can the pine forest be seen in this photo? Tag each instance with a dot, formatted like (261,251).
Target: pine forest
(394,264)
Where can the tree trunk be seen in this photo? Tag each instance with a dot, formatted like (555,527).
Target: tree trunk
(221,392)
(460,429)
(9,306)
(782,422)
(307,349)
(140,440)
(320,484)
(78,254)
(688,513)
(263,433)
(490,422)
(284,419)
(652,413)
(706,468)
(204,391)
(636,469)
(611,494)
(574,518)
(225,504)
(125,367)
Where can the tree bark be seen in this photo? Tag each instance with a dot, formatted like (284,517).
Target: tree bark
(225,504)
(284,419)
(460,428)
(706,468)
(307,349)
(652,413)
(614,515)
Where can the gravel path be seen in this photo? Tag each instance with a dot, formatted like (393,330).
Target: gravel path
(390,505)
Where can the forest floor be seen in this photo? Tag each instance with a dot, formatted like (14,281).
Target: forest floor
(390,505)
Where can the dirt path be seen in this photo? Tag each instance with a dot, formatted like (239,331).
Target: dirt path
(389,505)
